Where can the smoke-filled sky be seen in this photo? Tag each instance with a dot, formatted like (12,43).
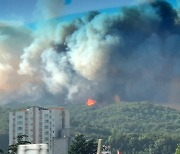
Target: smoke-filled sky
(132,55)
(25,10)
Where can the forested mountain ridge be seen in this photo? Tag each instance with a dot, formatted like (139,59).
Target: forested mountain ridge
(134,128)
(130,126)
(134,117)
(128,117)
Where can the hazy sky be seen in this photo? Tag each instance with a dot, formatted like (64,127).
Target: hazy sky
(23,10)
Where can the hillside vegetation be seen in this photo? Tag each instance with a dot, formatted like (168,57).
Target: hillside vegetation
(140,127)
(134,128)
(3,121)
(135,117)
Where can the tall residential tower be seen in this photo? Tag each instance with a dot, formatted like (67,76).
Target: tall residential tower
(41,125)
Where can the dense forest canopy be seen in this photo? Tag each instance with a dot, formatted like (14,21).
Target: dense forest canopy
(127,125)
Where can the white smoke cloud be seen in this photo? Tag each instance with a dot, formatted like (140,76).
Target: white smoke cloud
(90,53)
(99,56)
(83,56)
(14,87)
(22,80)
(54,74)
(12,41)
(31,56)
(46,11)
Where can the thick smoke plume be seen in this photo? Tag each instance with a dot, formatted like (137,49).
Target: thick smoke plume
(131,55)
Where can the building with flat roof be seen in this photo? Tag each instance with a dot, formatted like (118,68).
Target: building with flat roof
(41,125)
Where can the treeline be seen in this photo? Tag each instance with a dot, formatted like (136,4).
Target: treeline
(134,128)
(136,117)
(144,143)
(3,121)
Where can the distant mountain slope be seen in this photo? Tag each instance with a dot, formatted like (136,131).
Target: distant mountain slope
(3,121)
(135,117)
(137,126)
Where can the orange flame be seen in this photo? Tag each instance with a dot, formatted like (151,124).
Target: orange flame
(90,102)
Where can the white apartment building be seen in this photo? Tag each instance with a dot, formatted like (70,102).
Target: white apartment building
(41,125)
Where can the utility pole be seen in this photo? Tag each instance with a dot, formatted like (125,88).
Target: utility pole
(103,149)
(99,146)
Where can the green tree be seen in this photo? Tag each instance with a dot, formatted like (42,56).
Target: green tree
(80,145)
(178,149)
(21,139)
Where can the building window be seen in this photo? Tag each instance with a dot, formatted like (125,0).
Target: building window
(46,127)
(19,122)
(46,133)
(20,117)
(46,121)
(46,139)
(19,128)
(46,115)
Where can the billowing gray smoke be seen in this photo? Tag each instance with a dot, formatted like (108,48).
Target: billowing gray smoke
(132,55)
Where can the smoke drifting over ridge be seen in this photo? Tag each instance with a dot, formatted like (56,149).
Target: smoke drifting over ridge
(133,54)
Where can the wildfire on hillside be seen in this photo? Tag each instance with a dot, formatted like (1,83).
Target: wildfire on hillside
(90,102)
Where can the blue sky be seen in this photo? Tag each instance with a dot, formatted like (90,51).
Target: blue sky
(17,9)
(23,9)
